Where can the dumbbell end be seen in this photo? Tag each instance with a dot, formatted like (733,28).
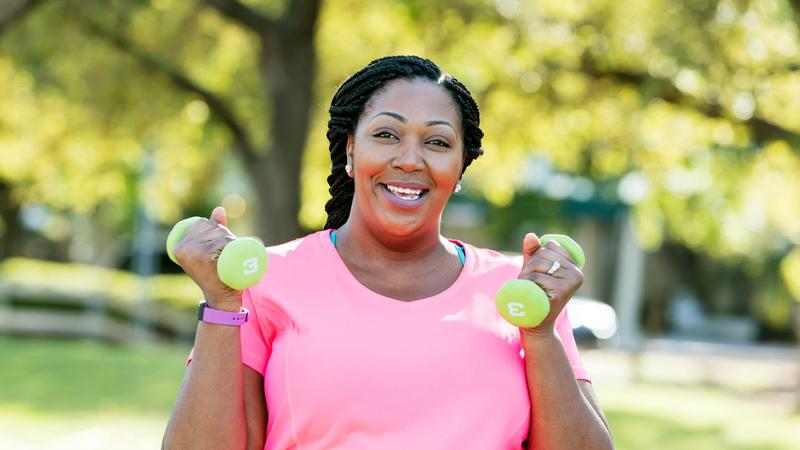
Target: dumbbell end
(242,263)
(522,303)
(569,244)
(177,233)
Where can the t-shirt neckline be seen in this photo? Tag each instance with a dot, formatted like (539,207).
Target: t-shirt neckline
(342,273)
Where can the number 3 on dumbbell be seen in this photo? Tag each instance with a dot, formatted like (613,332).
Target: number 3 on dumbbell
(250,266)
(516,309)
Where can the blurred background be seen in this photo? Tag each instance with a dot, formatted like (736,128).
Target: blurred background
(663,135)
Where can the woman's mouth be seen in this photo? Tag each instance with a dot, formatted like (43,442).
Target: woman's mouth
(403,197)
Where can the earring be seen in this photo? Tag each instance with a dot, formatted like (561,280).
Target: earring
(348,168)
(458,188)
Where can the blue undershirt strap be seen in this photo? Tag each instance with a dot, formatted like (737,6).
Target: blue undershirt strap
(461,254)
(459,248)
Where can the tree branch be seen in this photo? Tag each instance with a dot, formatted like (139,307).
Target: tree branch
(762,129)
(215,104)
(795,6)
(15,10)
(252,19)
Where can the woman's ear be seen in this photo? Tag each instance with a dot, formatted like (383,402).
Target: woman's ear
(349,149)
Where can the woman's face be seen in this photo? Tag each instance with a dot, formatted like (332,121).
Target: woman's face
(407,155)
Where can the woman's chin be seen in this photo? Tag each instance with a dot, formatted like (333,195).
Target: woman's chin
(399,226)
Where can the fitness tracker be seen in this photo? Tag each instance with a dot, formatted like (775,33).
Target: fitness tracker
(208,314)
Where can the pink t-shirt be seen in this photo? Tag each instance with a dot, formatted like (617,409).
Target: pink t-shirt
(347,368)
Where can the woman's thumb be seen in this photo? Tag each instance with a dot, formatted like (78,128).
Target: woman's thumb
(218,214)
(530,243)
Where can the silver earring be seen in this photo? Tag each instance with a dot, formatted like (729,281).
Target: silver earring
(348,168)
(458,188)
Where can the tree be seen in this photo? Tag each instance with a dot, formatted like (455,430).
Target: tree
(691,103)
(285,60)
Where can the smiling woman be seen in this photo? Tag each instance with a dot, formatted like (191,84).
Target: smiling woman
(379,332)
(359,94)
(405,161)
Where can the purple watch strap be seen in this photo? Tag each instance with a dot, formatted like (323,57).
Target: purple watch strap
(208,314)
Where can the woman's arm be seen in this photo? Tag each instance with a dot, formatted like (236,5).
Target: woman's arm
(209,412)
(564,414)
(255,407)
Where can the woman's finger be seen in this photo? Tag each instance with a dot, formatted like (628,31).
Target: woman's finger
(530,244)
(218,215)
(543,260)
(550,255)
(555,247)
(540,264)
(216,245)
(555,288)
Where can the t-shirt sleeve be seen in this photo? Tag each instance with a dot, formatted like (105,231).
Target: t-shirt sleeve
(564,330)
(255,349)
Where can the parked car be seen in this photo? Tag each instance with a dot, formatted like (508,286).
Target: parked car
(592,321)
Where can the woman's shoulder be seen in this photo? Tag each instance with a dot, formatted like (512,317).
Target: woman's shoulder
(295,261)
(297,247)
(491,259)
(307,254)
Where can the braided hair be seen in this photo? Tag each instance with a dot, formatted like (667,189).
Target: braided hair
(350,101)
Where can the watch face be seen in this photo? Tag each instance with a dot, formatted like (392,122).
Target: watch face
(200,310)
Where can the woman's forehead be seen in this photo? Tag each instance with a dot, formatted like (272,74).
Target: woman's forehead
(414,99)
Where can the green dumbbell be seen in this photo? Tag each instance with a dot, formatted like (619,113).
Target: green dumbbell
(241,263)
(522,302)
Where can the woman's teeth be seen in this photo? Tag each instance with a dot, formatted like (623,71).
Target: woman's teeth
(404,193)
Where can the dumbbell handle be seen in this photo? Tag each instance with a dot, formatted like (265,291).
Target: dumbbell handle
(241,263)
(524,303)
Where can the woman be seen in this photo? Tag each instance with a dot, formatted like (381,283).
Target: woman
(379,333)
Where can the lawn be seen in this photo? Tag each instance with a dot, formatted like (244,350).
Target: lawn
(86,395)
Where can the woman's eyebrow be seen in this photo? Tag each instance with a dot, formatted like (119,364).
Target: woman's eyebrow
(404,120)
(438,122)
(390,114)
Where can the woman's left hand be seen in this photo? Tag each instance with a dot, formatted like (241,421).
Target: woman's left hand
(559,286)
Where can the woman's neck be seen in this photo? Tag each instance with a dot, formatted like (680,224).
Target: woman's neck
(385,263)
(356,241)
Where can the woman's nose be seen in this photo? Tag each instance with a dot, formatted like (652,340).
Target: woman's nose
(409,157)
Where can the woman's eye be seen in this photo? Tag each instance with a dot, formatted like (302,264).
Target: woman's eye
(384,135)
(440,143)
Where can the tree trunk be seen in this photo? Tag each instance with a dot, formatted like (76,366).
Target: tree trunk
(11,233)
(288,68)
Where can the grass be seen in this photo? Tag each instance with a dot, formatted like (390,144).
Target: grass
(86,395)
(77,377)
(73,394)
(652,416)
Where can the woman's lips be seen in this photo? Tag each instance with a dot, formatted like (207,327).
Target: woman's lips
(402,202)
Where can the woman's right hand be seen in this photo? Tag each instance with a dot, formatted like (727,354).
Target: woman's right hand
(197,252)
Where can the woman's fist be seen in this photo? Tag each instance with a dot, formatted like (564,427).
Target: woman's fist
(559,281)
(197,252)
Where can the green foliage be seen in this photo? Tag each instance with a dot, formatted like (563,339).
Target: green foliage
(790,269)
(697,99)
(79,118)
(605,89)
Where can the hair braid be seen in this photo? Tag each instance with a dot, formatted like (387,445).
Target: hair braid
(352,97)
